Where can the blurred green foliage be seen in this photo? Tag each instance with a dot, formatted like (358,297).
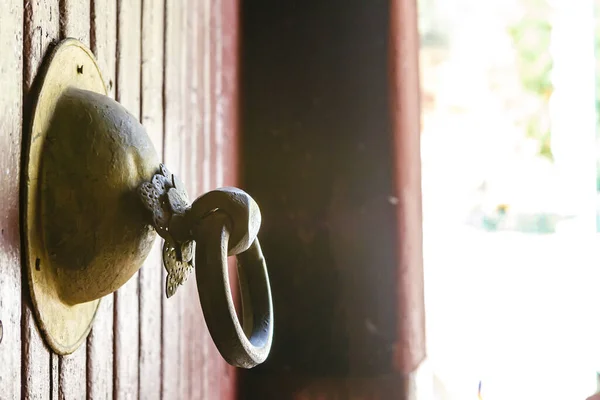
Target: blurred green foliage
(531,36)
(531,40)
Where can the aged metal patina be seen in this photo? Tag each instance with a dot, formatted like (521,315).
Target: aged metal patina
(95,194)
(165,196)
(221,223)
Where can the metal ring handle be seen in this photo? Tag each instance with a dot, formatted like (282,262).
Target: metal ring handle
(244,345)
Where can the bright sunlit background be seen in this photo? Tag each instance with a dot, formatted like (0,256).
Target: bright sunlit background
(511,197)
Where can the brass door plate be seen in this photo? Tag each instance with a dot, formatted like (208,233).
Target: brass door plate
(83,235)
(64,326)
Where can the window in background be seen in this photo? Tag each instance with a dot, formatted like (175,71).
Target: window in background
(510,197)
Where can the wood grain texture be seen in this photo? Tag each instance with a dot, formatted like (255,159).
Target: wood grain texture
(174,131)
(103,38)
(228,74)
(205,97)
(11,81)
(75,23)
(195,333)
(126,324)
(41,30)
(72,379)
(172,64)
(213,366)
(150,275)
(75,20)
(207,166)
(54,376)
(210,113)
(224,60)
(225,77)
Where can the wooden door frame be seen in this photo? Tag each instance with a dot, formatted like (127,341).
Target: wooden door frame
(331,147)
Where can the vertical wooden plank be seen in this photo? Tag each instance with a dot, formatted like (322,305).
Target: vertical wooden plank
(187,327)
(75,23)
(215,137)
(213,52)
(174,81)
(207,167)
(195,333)
(405,112)
(11,78)
(151,288)
(54,376)
(103,41)
(75,20)
(228,95)
(40,369)
(225,76)
(126,349)
(216,61)
(206,94)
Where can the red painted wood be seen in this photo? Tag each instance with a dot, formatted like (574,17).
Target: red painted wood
(228,101)
(228,97)
(210,138)
(195,335)
(405,108)
(223,97)
(141,345)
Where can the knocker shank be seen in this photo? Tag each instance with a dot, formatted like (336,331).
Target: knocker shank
(220,223)
(165,197)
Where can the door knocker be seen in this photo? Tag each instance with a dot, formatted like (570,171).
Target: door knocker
(95,195)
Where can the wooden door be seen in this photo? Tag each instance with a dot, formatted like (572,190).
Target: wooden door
(173,65)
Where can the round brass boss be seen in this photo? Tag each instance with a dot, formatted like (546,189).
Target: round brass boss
(85,233)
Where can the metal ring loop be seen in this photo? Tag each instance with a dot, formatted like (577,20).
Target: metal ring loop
(245,346)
